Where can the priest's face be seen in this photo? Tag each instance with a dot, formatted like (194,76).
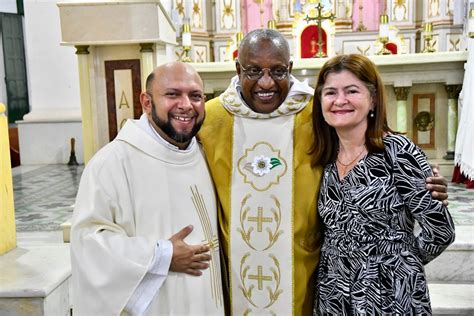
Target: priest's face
(264,74)
(176,103)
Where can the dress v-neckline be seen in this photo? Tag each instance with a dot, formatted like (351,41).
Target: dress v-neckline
(350,170)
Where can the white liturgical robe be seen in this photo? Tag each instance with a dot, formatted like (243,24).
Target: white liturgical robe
(134,192)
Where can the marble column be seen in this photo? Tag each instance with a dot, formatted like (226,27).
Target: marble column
(146,49)
(453,95)
(82,52)
(401,94)
(7,212)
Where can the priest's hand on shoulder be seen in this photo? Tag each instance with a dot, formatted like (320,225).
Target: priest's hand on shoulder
(190,259)
(438,185)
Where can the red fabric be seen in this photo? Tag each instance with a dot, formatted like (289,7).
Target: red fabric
(309,41)
(392,47)
(458,177)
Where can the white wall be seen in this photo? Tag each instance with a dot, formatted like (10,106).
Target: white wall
(8,6)
(53,80)
(53,88)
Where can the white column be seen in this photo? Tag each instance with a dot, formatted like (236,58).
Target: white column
(401,94)
(82,53)
(453,95)
(147,66)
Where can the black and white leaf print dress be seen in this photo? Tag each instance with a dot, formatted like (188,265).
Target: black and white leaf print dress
(371,261)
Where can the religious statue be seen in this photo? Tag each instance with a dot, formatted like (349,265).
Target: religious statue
(313,43)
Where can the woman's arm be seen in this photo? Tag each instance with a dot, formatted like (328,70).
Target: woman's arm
(411,169)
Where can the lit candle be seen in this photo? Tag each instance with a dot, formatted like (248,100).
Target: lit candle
(186,35)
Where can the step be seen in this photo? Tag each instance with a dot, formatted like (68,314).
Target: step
(455,264)
(34,280)
(452,299)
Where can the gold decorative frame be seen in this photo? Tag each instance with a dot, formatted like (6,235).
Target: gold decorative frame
(110,67)
(417,109)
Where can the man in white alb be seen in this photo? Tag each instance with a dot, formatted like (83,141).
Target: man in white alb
(130,253)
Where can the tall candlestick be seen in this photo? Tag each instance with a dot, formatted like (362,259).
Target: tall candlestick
(361,26)
(186,35)
(428,28)
(383,26)
(384,29)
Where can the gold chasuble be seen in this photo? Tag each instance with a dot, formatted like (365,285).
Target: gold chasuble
(268,191)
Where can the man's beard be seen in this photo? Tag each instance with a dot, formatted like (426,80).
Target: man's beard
(169,130)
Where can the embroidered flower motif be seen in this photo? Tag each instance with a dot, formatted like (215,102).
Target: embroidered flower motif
(261,165)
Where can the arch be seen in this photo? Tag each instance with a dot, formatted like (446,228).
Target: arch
(309,41)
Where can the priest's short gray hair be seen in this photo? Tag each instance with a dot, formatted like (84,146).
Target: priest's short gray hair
(258,35)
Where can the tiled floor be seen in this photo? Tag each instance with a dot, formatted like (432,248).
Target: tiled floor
(461,204)
(44,197)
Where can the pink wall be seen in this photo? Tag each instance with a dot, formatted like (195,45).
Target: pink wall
(251,18)
(372,10)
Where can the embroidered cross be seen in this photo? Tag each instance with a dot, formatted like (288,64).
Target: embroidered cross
(213,244)
(260,219)
(212,240)
(260,277)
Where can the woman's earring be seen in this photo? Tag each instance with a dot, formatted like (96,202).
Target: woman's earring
(371,113)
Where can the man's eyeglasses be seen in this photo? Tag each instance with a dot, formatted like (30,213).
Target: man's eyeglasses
(254,73)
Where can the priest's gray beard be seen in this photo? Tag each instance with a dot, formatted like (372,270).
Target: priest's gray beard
(169,130)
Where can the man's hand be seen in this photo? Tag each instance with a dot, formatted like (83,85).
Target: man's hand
(438,185)
(187,258)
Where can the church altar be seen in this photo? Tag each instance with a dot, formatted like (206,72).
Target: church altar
(414,83)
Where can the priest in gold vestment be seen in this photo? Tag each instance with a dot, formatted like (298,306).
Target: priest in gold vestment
(257,137)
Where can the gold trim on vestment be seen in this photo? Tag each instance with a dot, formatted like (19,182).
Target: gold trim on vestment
(211,239)
(273,279)
(234,104)
(246,232)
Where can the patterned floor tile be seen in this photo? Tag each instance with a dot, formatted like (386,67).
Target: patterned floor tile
(44,197)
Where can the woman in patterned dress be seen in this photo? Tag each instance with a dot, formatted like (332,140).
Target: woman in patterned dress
(372,193)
